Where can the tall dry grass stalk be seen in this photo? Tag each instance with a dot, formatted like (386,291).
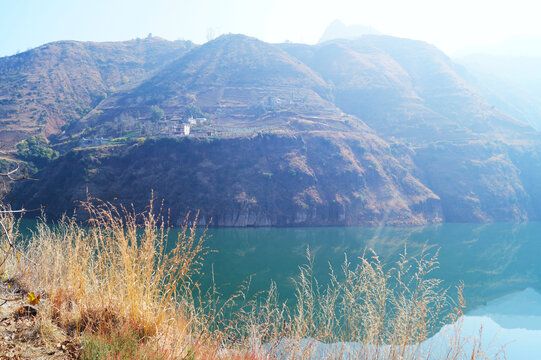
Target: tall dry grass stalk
(119,272)
(374,312)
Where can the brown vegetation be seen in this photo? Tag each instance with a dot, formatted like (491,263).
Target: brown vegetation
(116,286)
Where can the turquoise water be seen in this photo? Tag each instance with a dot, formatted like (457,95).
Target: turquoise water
(499,264)
(492,260)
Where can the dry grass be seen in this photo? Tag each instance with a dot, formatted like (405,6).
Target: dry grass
(118,286)
(117,271)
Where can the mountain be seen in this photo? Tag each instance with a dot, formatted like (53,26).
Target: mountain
(43,89)
(348,132)
(405,89)
(510,83)
(338,30)
(285,154)
(241,82)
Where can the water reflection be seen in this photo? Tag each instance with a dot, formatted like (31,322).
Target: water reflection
(491,259)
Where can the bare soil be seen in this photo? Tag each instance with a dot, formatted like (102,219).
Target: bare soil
(23,334)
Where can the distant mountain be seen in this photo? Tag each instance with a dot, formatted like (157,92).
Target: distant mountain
(338,30)
(404,88)
(510,83)
(45,88)
(515,46)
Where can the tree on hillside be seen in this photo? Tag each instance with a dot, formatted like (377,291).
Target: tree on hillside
(36,150)
(157,113)
(193,111)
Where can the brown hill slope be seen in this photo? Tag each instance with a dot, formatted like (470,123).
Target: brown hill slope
(241,83)
(45,88)
(314,179)
(406,89)
(411,92)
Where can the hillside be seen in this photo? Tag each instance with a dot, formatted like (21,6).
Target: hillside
(269,179)
(241,83)
(348,132)
(405,89)
(43,89)
(285,154)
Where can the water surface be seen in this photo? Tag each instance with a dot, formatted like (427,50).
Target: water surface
(492,260)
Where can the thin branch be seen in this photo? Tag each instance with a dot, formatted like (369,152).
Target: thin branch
(22,210)
(11,172)
(11,247)
(12,211)
(7,235)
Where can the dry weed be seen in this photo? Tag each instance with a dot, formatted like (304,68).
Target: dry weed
(119,278)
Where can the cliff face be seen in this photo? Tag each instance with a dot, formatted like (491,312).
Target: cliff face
(478,182)
(310,179)
(264,180)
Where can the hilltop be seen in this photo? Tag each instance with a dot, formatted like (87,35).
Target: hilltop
(338,30)
(242,83)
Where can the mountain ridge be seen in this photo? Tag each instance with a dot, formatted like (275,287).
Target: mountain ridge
(349,132)
(338,30)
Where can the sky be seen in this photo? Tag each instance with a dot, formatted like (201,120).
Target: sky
(451,25)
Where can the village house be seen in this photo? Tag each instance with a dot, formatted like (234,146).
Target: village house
(190,126)
(87,142)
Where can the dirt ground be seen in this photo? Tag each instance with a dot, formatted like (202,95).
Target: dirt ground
(24,334)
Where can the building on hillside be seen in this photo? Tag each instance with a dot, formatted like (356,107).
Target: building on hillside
(189,127)
(197,121)
(175,128)
(87,142)
(202,131)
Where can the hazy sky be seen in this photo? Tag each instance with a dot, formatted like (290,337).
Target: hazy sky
(451,25)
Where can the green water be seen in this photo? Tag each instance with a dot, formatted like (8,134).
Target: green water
(491,260)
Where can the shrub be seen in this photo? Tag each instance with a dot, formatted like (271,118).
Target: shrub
(120,344)
(193,111)
(36,150)
(157,113)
